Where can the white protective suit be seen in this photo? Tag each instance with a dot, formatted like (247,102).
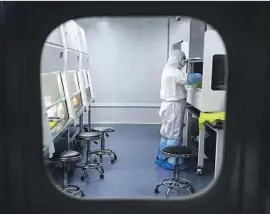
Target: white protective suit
(173,95)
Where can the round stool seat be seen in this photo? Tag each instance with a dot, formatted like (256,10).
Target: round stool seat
(88,136)
(176,182)
(177,151)
(69,155)
(103,129)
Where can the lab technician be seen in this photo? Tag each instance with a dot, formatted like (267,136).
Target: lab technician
(173,95)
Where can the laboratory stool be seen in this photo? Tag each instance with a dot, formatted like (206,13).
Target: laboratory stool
(176,182)
(67,157)
(88,137)
(103,151)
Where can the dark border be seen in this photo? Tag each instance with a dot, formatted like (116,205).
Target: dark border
(242,185)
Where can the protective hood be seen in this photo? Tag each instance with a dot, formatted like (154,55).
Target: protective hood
(177,59)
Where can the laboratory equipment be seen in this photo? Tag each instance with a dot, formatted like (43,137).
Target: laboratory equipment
(210,96)
(54,109)
(196,38)
(70,75)
(83,73)
(218,127)
(54,98)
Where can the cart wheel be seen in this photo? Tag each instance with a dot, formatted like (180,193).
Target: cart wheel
(101,176)
(156,191)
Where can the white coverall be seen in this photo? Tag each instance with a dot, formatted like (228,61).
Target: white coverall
(173,94)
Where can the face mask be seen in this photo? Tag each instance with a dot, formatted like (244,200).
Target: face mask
(181,64)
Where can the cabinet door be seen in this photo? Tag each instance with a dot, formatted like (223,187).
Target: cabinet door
(71,35)
(52,58)
(72,60)
(55,37)
(84,61)
(82,39)
(196,40)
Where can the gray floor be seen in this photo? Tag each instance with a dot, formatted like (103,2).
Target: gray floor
(134,174)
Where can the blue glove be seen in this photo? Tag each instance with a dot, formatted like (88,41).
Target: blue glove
(194,78)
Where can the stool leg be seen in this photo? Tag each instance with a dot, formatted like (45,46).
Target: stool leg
(71,189)
(101,171)
(65,175)
(89,119)
(102,145)
(168,192)
(166,182)
(86,160)
(115,156)
(96,155)
(88,152)
(175,170)
(81,123)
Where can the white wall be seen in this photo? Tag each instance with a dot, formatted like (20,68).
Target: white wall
(126,57)
(179,30)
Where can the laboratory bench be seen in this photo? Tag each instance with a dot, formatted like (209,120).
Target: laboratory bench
(62,141)
(217,127)
(61,127)
(67,130)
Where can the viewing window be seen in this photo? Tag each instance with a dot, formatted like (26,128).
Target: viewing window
(52,87)
(55,101)
(74,90)
(147,99)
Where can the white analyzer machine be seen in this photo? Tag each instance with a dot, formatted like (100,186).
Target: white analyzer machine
(211,96)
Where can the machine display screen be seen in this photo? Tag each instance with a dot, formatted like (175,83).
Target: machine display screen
(218,72)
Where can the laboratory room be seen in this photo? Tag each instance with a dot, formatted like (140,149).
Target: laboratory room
(133,107)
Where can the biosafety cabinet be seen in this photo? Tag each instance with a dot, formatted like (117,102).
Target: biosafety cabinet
(84,74)
(70,77)
(64,80)
(54,107)
(211,96)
